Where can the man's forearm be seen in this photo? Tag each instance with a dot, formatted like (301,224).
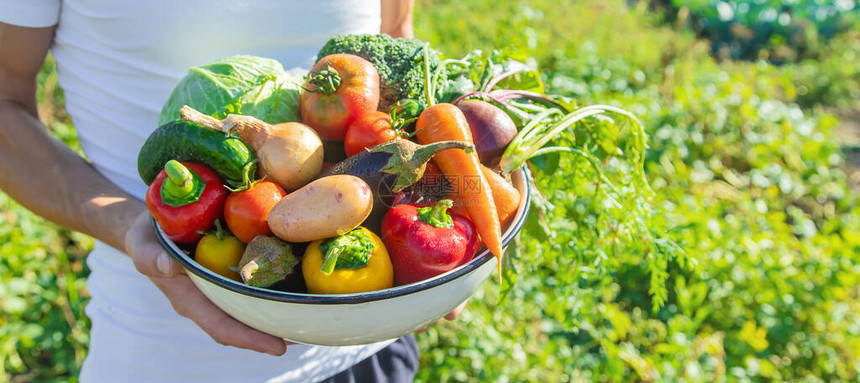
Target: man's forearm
(397,18)
(51,180)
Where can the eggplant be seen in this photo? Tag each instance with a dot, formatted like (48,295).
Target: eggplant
(425,191)
(388,169)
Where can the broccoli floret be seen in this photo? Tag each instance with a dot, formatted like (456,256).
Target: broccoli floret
(400,63)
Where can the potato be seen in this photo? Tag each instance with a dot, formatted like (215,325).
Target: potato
(324,208)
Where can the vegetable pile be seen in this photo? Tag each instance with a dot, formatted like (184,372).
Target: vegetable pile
(385,165)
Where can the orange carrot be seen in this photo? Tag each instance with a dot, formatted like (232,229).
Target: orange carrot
(442,122)
(505,195)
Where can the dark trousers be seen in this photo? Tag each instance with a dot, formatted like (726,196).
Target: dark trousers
(398,362)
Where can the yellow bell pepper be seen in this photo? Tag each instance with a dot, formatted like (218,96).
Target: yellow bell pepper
(354,262)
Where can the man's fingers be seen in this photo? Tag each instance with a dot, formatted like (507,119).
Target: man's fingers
(223,328)
(151,260)
(148,256)
(449,316)
(456,312)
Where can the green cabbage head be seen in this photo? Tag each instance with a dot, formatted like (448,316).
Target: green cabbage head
(248,85)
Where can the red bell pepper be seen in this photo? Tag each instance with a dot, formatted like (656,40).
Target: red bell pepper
(186,199)
(426,240)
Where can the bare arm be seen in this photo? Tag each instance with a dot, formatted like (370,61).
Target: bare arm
(397,18)
(45,176)
(39,171)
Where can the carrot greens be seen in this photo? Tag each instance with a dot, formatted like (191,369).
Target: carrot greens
(604,144)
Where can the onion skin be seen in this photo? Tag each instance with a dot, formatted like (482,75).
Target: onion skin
(290,153)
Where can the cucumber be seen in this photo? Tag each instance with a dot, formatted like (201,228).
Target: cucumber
(228,156)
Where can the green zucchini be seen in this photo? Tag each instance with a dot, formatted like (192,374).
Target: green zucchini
(229,156)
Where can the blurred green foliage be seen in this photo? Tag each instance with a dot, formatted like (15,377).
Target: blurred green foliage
(43,329)
(745,168)
(780,31)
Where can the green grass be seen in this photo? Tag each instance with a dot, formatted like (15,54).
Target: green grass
(745,167)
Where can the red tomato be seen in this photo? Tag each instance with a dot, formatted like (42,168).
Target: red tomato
(338,89)
(246,211)
(370,129)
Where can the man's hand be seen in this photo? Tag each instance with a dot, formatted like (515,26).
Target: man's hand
(449,316)
(151,260)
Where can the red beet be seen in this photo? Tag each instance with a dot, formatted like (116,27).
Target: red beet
(492,130)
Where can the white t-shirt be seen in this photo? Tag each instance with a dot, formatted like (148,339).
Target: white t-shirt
(117,61)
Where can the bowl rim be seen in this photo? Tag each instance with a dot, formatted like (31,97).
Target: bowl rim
(355,298)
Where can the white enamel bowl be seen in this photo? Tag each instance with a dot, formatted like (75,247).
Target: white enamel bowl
(350,319)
